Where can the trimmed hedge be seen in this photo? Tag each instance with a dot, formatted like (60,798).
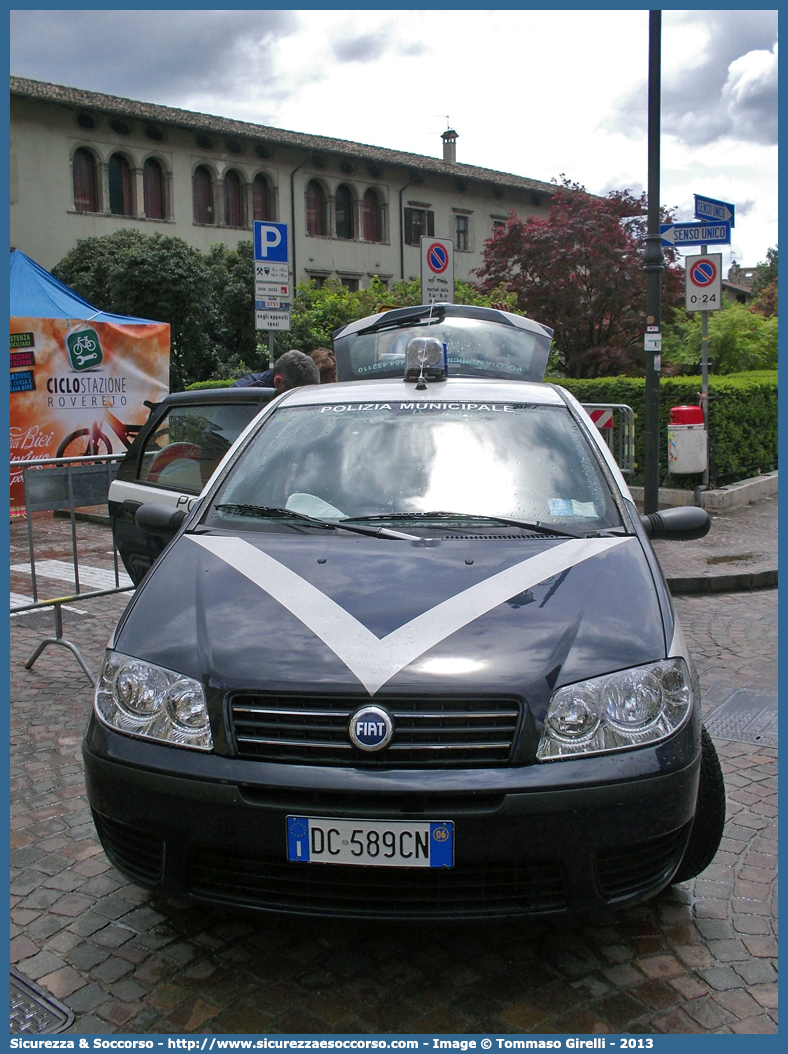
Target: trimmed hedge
(200,386)
(742,421)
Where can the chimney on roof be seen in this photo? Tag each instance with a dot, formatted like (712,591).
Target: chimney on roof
(450,146)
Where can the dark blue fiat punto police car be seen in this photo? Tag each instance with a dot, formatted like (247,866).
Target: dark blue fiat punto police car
(410,655)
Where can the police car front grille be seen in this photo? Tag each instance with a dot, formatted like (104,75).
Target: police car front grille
(466,890)
(427,732)
(135,851)
(638,867)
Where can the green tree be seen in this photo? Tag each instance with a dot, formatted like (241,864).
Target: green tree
(232,327)
(764,285)
(739,340)
(159,278)
(765,272)
(318,311)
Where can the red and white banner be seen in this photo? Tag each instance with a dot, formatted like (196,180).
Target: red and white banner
(77,386)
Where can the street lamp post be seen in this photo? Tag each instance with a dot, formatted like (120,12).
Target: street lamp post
(652,265)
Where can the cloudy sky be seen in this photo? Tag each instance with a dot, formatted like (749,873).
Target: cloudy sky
(536,93)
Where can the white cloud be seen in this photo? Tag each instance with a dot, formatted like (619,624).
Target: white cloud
(750,95)
(537,93)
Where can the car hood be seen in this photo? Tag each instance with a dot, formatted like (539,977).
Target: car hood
(371,617)
(375,617)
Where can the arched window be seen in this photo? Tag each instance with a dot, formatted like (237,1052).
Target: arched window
(260,199)
(344,211)
(233,200)
(119,186)
(315,208)
(85,181)
(153,189)
(371,217)
(202,194)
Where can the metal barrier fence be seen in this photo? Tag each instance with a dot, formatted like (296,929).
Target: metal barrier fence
(66,483)
(616,422)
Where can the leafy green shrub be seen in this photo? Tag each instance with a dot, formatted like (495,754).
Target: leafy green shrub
(739,339)
(199,386)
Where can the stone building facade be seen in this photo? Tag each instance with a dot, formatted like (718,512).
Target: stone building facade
(85,164)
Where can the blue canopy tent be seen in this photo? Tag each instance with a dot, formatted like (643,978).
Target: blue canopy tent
(35,293)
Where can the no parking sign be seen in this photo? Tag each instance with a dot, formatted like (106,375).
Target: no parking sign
(703,282)
(437,270)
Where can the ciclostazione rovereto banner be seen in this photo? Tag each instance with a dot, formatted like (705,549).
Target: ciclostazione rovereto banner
(79,387)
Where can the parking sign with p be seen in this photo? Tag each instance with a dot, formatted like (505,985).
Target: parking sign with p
(270,241)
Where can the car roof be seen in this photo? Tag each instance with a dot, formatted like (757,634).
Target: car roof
(217,395)
(404,314)
(453,389)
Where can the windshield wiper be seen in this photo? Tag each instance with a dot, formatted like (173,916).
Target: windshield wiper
(406,319)
(526,525)
(273,512)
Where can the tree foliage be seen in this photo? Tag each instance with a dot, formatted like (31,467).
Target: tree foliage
(764,285)
(580,271)
(159,278)
(739,339)
(318,310)
(765,272)
(208,300)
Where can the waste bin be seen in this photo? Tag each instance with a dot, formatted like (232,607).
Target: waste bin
(686,440)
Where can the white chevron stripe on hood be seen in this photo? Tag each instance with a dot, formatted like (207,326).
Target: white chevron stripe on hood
(376,660)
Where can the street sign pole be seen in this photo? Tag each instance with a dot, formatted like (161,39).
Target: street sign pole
(704,378)
(703,293)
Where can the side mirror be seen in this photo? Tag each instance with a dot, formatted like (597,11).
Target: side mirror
(160,520)
(683,523)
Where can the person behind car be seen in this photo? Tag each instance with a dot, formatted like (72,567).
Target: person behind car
(326,362)
(291,370)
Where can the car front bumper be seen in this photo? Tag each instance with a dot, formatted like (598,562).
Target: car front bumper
(543,839)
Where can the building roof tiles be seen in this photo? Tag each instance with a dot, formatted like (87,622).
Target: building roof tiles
(200,122)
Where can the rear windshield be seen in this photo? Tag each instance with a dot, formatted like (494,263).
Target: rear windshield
(474,347)
(343,460)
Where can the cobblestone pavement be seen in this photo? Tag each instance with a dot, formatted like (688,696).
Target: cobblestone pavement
(700,958)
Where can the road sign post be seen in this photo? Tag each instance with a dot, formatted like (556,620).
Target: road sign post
(703,292)
(437,270)
(271,277)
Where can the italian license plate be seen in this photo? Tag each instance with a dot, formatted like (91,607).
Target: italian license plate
(373,843)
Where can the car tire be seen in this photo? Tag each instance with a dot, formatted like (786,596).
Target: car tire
(707,827)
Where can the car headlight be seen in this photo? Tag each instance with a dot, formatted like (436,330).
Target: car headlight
(142,699)
(618,711)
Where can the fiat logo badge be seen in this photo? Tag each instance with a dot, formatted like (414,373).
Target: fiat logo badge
(371,728)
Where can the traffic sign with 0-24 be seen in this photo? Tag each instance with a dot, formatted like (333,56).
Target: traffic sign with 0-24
(703,282)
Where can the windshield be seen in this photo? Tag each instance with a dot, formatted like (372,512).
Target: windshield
(349,460)
(474,347)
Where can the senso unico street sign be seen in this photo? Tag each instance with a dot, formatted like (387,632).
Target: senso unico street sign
(677,234)
(712,209)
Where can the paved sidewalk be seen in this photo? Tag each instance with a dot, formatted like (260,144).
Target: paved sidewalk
(700,958)
(739,552)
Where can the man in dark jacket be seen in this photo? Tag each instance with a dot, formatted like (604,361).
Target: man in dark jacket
(291,370)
